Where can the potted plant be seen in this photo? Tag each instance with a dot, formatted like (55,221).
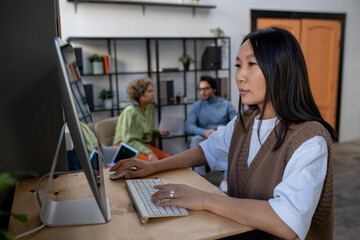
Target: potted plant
(97,64)
(219,33)
(107,96)
(186,59)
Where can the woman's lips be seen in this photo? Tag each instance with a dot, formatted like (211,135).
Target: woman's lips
(243,91)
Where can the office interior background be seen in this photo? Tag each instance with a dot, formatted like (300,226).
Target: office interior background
(122,20)
(112,20)
(99,20)
(24,148)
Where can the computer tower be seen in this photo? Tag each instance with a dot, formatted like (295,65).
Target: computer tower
(211,58)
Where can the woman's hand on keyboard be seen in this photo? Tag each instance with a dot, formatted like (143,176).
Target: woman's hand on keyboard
(142,168)
(183,196)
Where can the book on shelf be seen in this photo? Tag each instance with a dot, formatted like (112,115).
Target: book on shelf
(77,70)
(79,61)
(222,87)
(106,64)
(89,95)
(73,72)
(166,92)
(166,70)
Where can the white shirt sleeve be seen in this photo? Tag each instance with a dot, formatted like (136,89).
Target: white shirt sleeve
(297,195)
(216,147)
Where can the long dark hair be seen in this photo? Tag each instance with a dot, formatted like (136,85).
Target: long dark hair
(281,60)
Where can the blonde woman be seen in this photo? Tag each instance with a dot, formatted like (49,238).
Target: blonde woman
(135,126)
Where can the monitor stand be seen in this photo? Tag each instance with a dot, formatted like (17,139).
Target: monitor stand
(73,212)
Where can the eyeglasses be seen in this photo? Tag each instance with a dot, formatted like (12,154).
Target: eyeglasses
(204,89)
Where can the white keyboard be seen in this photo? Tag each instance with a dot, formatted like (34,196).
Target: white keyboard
(141,190)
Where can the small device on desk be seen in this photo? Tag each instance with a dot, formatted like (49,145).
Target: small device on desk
(124,151)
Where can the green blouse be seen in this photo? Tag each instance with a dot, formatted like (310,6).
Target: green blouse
(89,137)
(136,128)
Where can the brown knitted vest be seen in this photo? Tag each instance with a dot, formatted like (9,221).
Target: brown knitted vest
(267,168)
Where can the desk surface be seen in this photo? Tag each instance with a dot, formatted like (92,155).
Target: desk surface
(125,223)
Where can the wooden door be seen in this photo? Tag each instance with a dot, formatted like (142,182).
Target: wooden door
(292,25)
(320,43)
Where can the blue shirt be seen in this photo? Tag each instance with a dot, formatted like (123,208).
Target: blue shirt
(209,114)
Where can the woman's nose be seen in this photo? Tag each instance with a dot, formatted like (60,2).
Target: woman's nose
(240,76)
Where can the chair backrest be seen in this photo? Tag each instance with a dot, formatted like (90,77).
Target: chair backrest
(105,130)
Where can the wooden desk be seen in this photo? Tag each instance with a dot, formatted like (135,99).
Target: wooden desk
(125,223)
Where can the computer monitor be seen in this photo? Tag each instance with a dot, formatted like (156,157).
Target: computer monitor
(84,211)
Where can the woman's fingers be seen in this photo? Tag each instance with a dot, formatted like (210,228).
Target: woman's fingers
(124,164)
(166,191)
(179,195)
(137,173)
(170,202)
(118,165)
(141,168)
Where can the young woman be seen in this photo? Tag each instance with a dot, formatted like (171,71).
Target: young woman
(277,152)
(135,126)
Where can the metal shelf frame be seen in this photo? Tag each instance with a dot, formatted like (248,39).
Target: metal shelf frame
(152,45)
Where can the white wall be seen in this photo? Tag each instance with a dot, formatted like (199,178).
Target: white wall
(233,17)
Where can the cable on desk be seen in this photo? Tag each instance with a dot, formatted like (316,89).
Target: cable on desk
(44,176)
(29,232)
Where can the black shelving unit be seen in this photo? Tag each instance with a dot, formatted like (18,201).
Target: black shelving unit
(152,48)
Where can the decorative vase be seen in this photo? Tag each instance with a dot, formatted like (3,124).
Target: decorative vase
(98,67)
(108,103)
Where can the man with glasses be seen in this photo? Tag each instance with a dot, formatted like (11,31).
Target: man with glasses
(207,115)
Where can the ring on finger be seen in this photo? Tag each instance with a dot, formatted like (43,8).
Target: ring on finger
(172,193)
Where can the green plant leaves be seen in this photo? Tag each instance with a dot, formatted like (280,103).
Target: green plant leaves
(21,218)
(5,235)
(95,58)
(6,180)
(186,59)
(104,94)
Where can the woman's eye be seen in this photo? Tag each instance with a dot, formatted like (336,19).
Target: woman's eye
(237,65)
(252,63)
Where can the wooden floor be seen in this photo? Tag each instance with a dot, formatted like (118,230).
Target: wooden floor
(347,189)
